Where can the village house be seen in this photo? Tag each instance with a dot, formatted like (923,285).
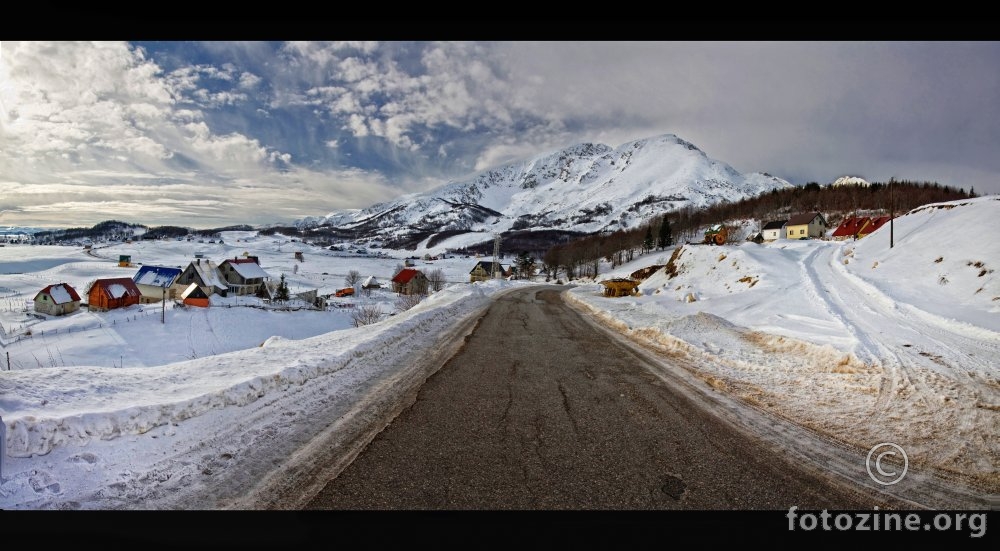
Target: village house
(410,282)
(483,271)
(206,274)
(856,227)
(57,300)
(772,230)
(194,296)
(806,225)
(243,276)
(157,282)
(108,294)
(850,228)
(371,283)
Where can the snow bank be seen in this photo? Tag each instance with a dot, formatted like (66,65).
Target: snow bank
(44,409)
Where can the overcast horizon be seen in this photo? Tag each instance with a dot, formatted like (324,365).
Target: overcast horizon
(209,134)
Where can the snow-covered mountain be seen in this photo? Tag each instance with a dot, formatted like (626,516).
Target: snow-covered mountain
(585,188)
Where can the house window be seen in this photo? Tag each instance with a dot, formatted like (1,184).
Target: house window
(802,232)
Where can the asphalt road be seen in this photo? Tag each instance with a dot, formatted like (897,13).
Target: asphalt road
(541,410)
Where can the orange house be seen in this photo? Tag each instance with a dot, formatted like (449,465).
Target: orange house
(108,294)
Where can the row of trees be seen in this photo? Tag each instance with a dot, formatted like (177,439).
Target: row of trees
(582,257)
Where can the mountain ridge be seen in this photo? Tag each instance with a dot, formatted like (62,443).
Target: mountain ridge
(585,187)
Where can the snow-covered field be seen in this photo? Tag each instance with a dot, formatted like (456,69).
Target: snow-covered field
(855,340)
(858,340)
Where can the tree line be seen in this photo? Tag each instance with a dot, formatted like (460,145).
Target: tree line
(581,257)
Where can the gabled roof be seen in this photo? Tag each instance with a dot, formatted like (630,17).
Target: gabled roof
(405,275)
(371,282)
(156,276)
(488,267)
(774,225)
(209,273)
(61,293)
(193,291)
(804,218)
(877,223)
(851,226)
(248,269)
(118,287)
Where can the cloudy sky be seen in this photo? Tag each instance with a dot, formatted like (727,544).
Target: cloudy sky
(205,134)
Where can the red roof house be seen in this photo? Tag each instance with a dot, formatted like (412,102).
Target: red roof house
(410,282)
(851,228)
(57,299)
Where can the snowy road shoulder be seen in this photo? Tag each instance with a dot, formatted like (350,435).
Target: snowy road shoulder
(146,436)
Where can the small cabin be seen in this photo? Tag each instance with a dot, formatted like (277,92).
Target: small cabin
(195,296)
(124,261)
(108,294)
(57,300)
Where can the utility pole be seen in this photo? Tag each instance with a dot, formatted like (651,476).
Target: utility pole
(496,255)
(892,212)
(163,307)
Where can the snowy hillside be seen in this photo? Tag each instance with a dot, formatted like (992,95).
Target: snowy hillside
(857,340)
(585,188)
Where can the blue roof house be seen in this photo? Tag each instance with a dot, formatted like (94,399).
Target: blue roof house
(157,282)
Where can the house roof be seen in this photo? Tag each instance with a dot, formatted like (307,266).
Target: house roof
(877,223)
(208,272)
(804,218)
(156,276)
(405,275)
(371,282)
(118,287)
(851,226)
(488,267)
(774,225)
(248,269)
(193,291)
(61,293)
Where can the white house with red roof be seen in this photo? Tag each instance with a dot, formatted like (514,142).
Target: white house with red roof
(57,300)
(410,282)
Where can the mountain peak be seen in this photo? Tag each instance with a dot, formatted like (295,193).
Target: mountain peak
(585,187)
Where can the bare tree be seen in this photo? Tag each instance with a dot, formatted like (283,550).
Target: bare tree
(366,314)
(405,302)
(435,278)
(353,278)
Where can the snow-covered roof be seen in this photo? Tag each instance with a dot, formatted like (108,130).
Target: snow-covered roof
(156,276)
(117,290)
(61,293)
(370,282)
(209,273)
(193,291)
(118,287)
(248,270)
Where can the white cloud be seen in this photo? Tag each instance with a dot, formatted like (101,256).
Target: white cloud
(249,80)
